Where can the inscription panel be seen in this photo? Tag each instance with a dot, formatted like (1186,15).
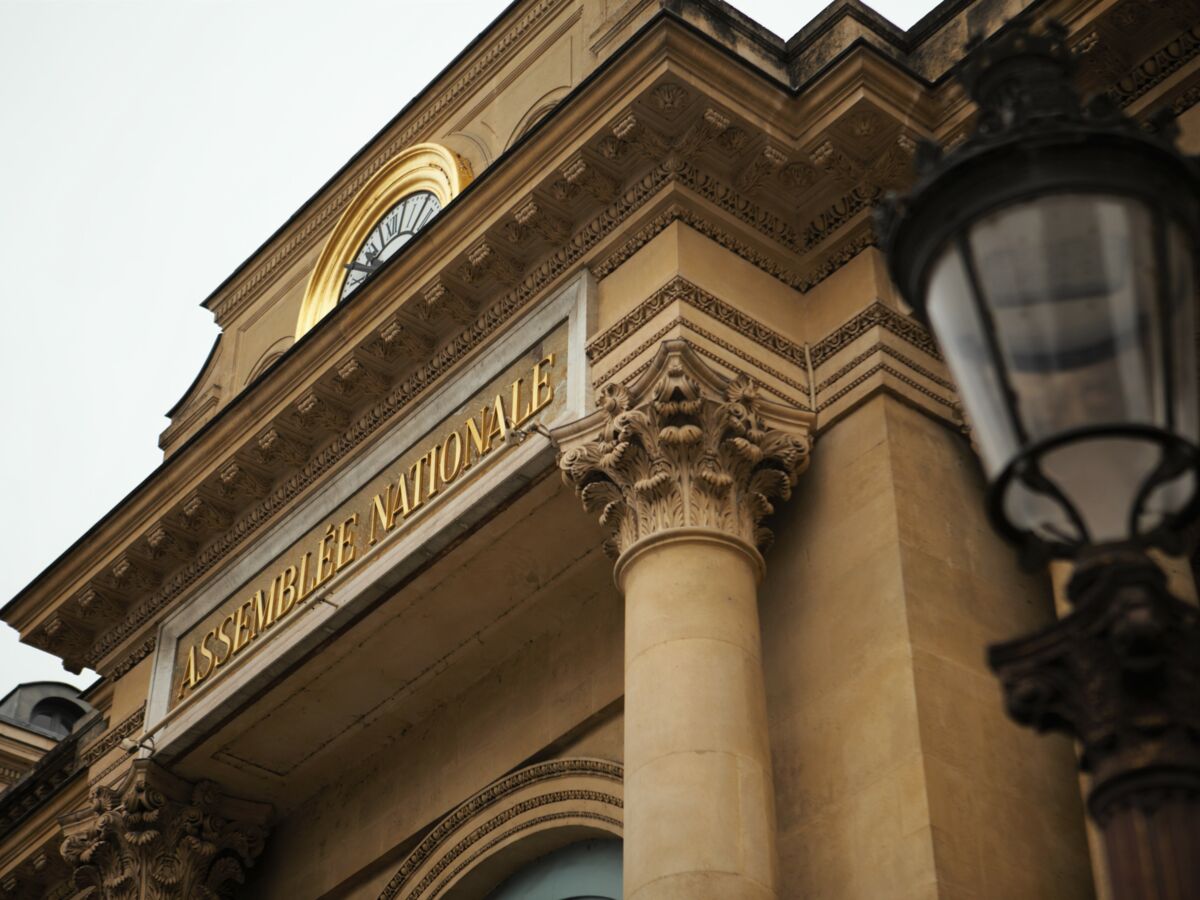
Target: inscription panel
(446,460)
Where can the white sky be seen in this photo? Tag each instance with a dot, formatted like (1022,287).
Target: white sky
(147,148)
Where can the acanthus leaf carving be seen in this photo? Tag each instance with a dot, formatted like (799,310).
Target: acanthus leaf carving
(158,837)
(315,412)
(278,449)
(683,447)
(581,173)
(355,377)
(442,299)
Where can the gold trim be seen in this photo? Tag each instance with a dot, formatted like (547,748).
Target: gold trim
(422,167)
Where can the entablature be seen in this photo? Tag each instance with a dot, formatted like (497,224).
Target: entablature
(669,130)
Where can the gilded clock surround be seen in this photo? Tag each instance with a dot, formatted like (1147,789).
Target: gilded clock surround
(422,167)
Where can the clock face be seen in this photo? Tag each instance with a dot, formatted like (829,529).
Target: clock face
(390,233)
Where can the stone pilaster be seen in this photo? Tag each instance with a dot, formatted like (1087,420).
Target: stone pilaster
(682,466)
(158,837)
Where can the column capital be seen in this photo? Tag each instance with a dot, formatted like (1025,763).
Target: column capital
(683,447)
(156,835)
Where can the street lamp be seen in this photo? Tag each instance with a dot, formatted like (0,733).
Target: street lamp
(1053,256)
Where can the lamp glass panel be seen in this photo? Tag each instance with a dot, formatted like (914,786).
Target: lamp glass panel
(954,318)
(1070,283)
(1174,494)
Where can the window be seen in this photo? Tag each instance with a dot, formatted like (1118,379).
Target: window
(588,870)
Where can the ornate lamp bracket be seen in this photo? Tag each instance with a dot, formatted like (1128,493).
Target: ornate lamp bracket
(1121,674)
(684,447)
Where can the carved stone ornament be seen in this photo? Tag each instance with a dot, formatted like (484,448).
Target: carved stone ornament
(158,837)
(683,447)
(1121,674)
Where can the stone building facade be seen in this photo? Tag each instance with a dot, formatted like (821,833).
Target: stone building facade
(569,497)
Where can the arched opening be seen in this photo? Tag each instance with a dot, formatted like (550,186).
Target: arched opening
(555,823)
(376,219)
(586,870)
(56,715)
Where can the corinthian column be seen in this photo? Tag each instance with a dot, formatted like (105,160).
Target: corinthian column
(682,467)
(158,836)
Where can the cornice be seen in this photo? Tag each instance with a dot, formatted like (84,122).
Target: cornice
(111,739)
(681,290)
(875,315)
(642,128)
(318,214)
(213,519)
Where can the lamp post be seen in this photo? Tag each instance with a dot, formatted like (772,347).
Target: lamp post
(1053,256)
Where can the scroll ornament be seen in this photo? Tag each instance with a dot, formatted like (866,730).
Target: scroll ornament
(157,837)
(684,447)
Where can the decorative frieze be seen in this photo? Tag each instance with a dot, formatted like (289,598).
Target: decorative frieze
(763,165)
(683,447)
(355,378)
(284,450)
(158,836)
(237,482)
(877,315)
(111,739)
(281,449)
(583,174)
(681,290)
(400,340)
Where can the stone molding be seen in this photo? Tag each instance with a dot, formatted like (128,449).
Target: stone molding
(286,458)
(111,739)
(683,447)
(229,302)
(158,836)
(875,315)
(548,795)
(681,290)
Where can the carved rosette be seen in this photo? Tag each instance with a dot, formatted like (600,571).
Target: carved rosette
(684,447)
(157,837)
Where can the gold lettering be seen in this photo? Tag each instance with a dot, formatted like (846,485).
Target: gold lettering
(399,502)
(541,380)
(223,637)
(287,591)
(301,590)
(242,625)
(432,456)
(518,417)
(499,424)
(210,660)
(381,514)
(189,675)
(472,437)
(264,611)
(345,540)
(325,558)
(414,472)
(448,477)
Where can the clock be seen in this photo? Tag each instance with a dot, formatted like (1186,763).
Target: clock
(390,233)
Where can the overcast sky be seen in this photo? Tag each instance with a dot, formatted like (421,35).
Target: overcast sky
(147,147)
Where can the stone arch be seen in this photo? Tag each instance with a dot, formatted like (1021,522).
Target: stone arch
(537,111)
(268,357)
(516,819)
(422,167)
